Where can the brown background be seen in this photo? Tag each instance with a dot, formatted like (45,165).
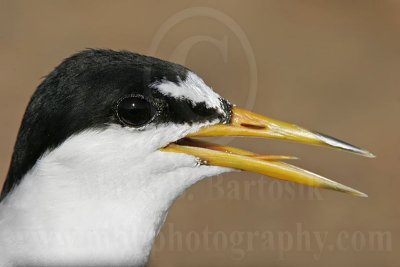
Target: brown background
(327,65)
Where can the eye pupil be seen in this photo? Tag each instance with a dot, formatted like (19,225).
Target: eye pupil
(135,111)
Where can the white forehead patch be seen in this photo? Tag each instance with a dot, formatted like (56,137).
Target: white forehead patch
(193,88)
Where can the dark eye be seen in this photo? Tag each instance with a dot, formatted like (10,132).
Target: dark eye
(135,111)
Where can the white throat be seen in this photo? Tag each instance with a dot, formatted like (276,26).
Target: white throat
(100,198)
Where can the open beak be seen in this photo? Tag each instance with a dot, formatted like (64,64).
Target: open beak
(246,123)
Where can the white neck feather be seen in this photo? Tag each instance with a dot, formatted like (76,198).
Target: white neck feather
(100,198)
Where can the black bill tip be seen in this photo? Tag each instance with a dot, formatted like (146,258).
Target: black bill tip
(333,142)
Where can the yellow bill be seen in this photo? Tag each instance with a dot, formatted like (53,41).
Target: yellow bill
(246,123)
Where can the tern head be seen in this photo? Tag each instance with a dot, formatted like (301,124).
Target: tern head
(118,131)
(150,107)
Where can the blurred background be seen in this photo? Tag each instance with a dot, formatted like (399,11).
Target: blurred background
(332,66)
